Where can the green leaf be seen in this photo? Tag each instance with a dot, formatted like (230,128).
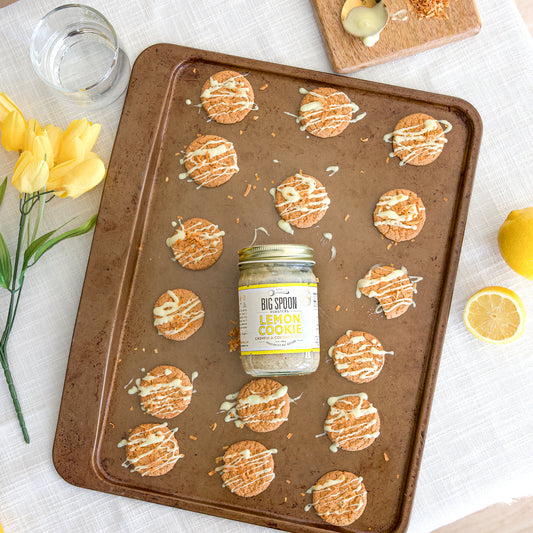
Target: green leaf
(5,264)
(76,232)
(34,246)
(3,190)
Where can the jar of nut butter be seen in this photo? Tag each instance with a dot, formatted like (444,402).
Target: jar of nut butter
(278,310)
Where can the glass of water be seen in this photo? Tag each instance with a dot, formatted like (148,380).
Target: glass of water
(75,50)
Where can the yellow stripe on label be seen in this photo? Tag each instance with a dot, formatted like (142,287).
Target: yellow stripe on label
(278,285)
(263,352)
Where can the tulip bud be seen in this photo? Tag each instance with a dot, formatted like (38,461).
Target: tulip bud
(13,130)
(33,129)
(30,173)
(42,149)
(55,134)
(74,178)
(85,130)
(6,106)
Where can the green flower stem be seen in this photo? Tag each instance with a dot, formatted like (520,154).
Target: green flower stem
(13,305)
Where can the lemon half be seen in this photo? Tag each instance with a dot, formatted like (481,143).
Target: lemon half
(495,314)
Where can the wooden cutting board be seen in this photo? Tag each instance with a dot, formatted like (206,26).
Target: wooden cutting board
(399,38)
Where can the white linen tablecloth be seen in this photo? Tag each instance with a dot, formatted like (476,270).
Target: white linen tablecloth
(480,437)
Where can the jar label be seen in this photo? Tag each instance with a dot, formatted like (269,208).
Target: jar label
(279,318)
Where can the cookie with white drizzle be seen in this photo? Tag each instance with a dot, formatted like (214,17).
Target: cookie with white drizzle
(339,497)
(418,139)
(248,468)
(151,449)
(392,287)
(178,313)
(262,405)
(399,215)
(210,161)
(352,422)
(196,243)
(301,200)
(164,392)
(358,356)
(227,97)
(326,112)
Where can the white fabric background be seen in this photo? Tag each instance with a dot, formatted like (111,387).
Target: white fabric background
(478,448)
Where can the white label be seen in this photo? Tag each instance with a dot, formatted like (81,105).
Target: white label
(279,318)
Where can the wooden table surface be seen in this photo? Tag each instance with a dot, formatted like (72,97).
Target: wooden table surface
(501,518)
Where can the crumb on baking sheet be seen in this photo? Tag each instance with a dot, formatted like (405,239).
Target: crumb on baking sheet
(212,472)
(192,437)
(338,308)
(248,189)
(289,435)
(445,199)
(240,132)
(389,246)
(273,134)
(254,187)
(385,456)
(229,197)
(263,87)
(362,171)
(363,140)
(213,426)
(346,217)
(166,179)
(112,425)
(256,177)
(288,481)
(237,220)
(225,448)
(387,160)
(144,349)
(285,499)
(426,9)
(135,349)
(234,339)
(256,117)
(131,408)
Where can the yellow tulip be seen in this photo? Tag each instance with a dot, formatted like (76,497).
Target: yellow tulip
(33,129)
(85,130)
(13,130)
(74,178)
(71,148)
(6,106)
(30,173)
(42,149)
(55,134)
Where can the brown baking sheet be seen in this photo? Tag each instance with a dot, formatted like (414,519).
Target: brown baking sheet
(130,267)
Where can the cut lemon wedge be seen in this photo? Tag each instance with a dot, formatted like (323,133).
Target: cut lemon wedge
(495,314)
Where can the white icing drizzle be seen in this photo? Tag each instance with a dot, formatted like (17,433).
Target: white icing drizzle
(180,309)
(188,102)
(413,140)
(392,218)
(252,464)
(394,283)
(302,199)
(275,161)
(283,225)
(220,151)
(333,253)
(327,236)
(349,496)
(363,356)
(332,170)
(166,450)
(400,16)
(260,228)
(235,94)
(267,413)
(201,241)
(314,112)
(356,428)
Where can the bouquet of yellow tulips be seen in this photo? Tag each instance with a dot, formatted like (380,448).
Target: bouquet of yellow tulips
(52,163)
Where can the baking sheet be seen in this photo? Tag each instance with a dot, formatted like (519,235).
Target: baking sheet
(130,267)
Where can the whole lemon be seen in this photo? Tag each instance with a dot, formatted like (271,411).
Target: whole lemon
(515,240)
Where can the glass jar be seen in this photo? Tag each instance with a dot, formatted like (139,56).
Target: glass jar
(278,310)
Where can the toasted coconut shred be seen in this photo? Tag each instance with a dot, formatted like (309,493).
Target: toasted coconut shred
(430,8)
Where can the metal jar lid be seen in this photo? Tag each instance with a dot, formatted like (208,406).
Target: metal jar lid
(276,253)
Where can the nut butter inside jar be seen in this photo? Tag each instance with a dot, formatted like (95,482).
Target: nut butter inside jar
(278,310)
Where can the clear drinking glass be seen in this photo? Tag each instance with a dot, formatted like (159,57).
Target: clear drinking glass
(75,50)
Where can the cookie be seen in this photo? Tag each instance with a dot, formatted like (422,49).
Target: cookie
(227,96)
(390,286)
(210,161)
(196,243)
(178,314)
(325,112)
(301,200)
(152,450)
(352,422)
(418,139)
(358,356)
(399,215)
(248,468)
(339,497)
(263,405)
(165,391)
